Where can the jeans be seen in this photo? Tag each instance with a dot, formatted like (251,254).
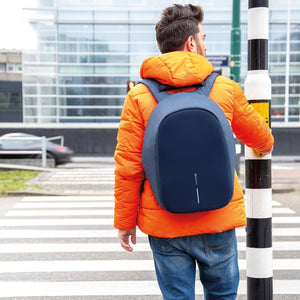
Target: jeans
(175,265)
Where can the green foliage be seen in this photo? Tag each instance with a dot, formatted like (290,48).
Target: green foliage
(15,180)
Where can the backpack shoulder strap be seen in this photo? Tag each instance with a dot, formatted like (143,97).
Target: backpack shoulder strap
(153,86)
(159,95)
(207,84)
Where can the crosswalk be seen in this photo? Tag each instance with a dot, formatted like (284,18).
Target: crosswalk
(81,181)
(65,247)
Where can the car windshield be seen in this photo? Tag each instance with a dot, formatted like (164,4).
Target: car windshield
(17,141)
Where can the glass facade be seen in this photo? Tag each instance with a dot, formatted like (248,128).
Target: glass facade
(88,50)
(10,101)
(11,108)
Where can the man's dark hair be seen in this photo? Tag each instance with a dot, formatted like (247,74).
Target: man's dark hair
(177,23)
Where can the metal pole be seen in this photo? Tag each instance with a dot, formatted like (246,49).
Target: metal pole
(258,184)
(235,52)
(235,61)
(44,152)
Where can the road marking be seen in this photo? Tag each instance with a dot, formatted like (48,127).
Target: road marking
(37,233)
(75,182)
(55,222)
(79,171)
(282,210)
(69,247)
(87,204)
(279,167)
(115,288)
(286,220)
(23,234)
(10,222)
(61,212)
(110,265)
(83,198)
(91,212)
(68,198)
(69,204)
(83,177)
(85,170)
(101,288)
(109,247)
(283,246)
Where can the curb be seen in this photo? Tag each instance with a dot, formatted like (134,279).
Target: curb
(283,189)
(32,193)
(24,167)
(45,193)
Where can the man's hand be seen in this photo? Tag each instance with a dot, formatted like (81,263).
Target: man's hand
(124,238)
(261,154)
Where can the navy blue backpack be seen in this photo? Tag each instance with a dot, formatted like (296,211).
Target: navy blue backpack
(189,150)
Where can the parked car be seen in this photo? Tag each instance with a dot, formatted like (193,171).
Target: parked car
(60,154)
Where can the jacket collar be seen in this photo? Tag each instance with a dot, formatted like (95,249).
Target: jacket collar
(178,68)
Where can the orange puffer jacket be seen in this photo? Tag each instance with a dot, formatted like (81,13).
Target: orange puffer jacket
(137,206)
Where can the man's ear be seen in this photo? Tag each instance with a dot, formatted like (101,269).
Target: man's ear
(190,44)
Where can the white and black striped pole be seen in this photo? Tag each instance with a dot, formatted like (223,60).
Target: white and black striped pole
(258,183)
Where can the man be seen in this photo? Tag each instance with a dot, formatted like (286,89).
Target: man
(179,241)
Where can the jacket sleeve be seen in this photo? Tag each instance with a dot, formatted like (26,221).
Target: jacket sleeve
(129,172)
(248,125)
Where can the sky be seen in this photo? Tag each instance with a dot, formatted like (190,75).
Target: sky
(15,33)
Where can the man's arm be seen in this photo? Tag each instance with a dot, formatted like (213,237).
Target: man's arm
(129,172)
(249,126)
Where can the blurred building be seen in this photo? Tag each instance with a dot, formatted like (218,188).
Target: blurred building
(11,86)
(87,51)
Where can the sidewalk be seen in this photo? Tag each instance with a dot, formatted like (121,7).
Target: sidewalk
(94,176)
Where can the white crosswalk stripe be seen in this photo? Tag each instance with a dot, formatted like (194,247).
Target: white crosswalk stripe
(109,221)
(92,177)
(72,233)
(86,204)
(72,238)
(64,199)
(64,205)
(85,181)
(62,212)
(111,265)
(108,247)
(118,288)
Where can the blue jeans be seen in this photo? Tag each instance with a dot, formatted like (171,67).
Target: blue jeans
(175,265)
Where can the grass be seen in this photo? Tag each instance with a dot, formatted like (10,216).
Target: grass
(15,180)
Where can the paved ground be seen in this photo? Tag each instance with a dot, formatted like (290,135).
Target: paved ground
(83,176)
(64,246)
(91,175)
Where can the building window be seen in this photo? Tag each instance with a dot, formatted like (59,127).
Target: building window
(2,67)
(19,68)
(10,100)
(10,68)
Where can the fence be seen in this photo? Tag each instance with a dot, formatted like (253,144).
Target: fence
(43,150)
